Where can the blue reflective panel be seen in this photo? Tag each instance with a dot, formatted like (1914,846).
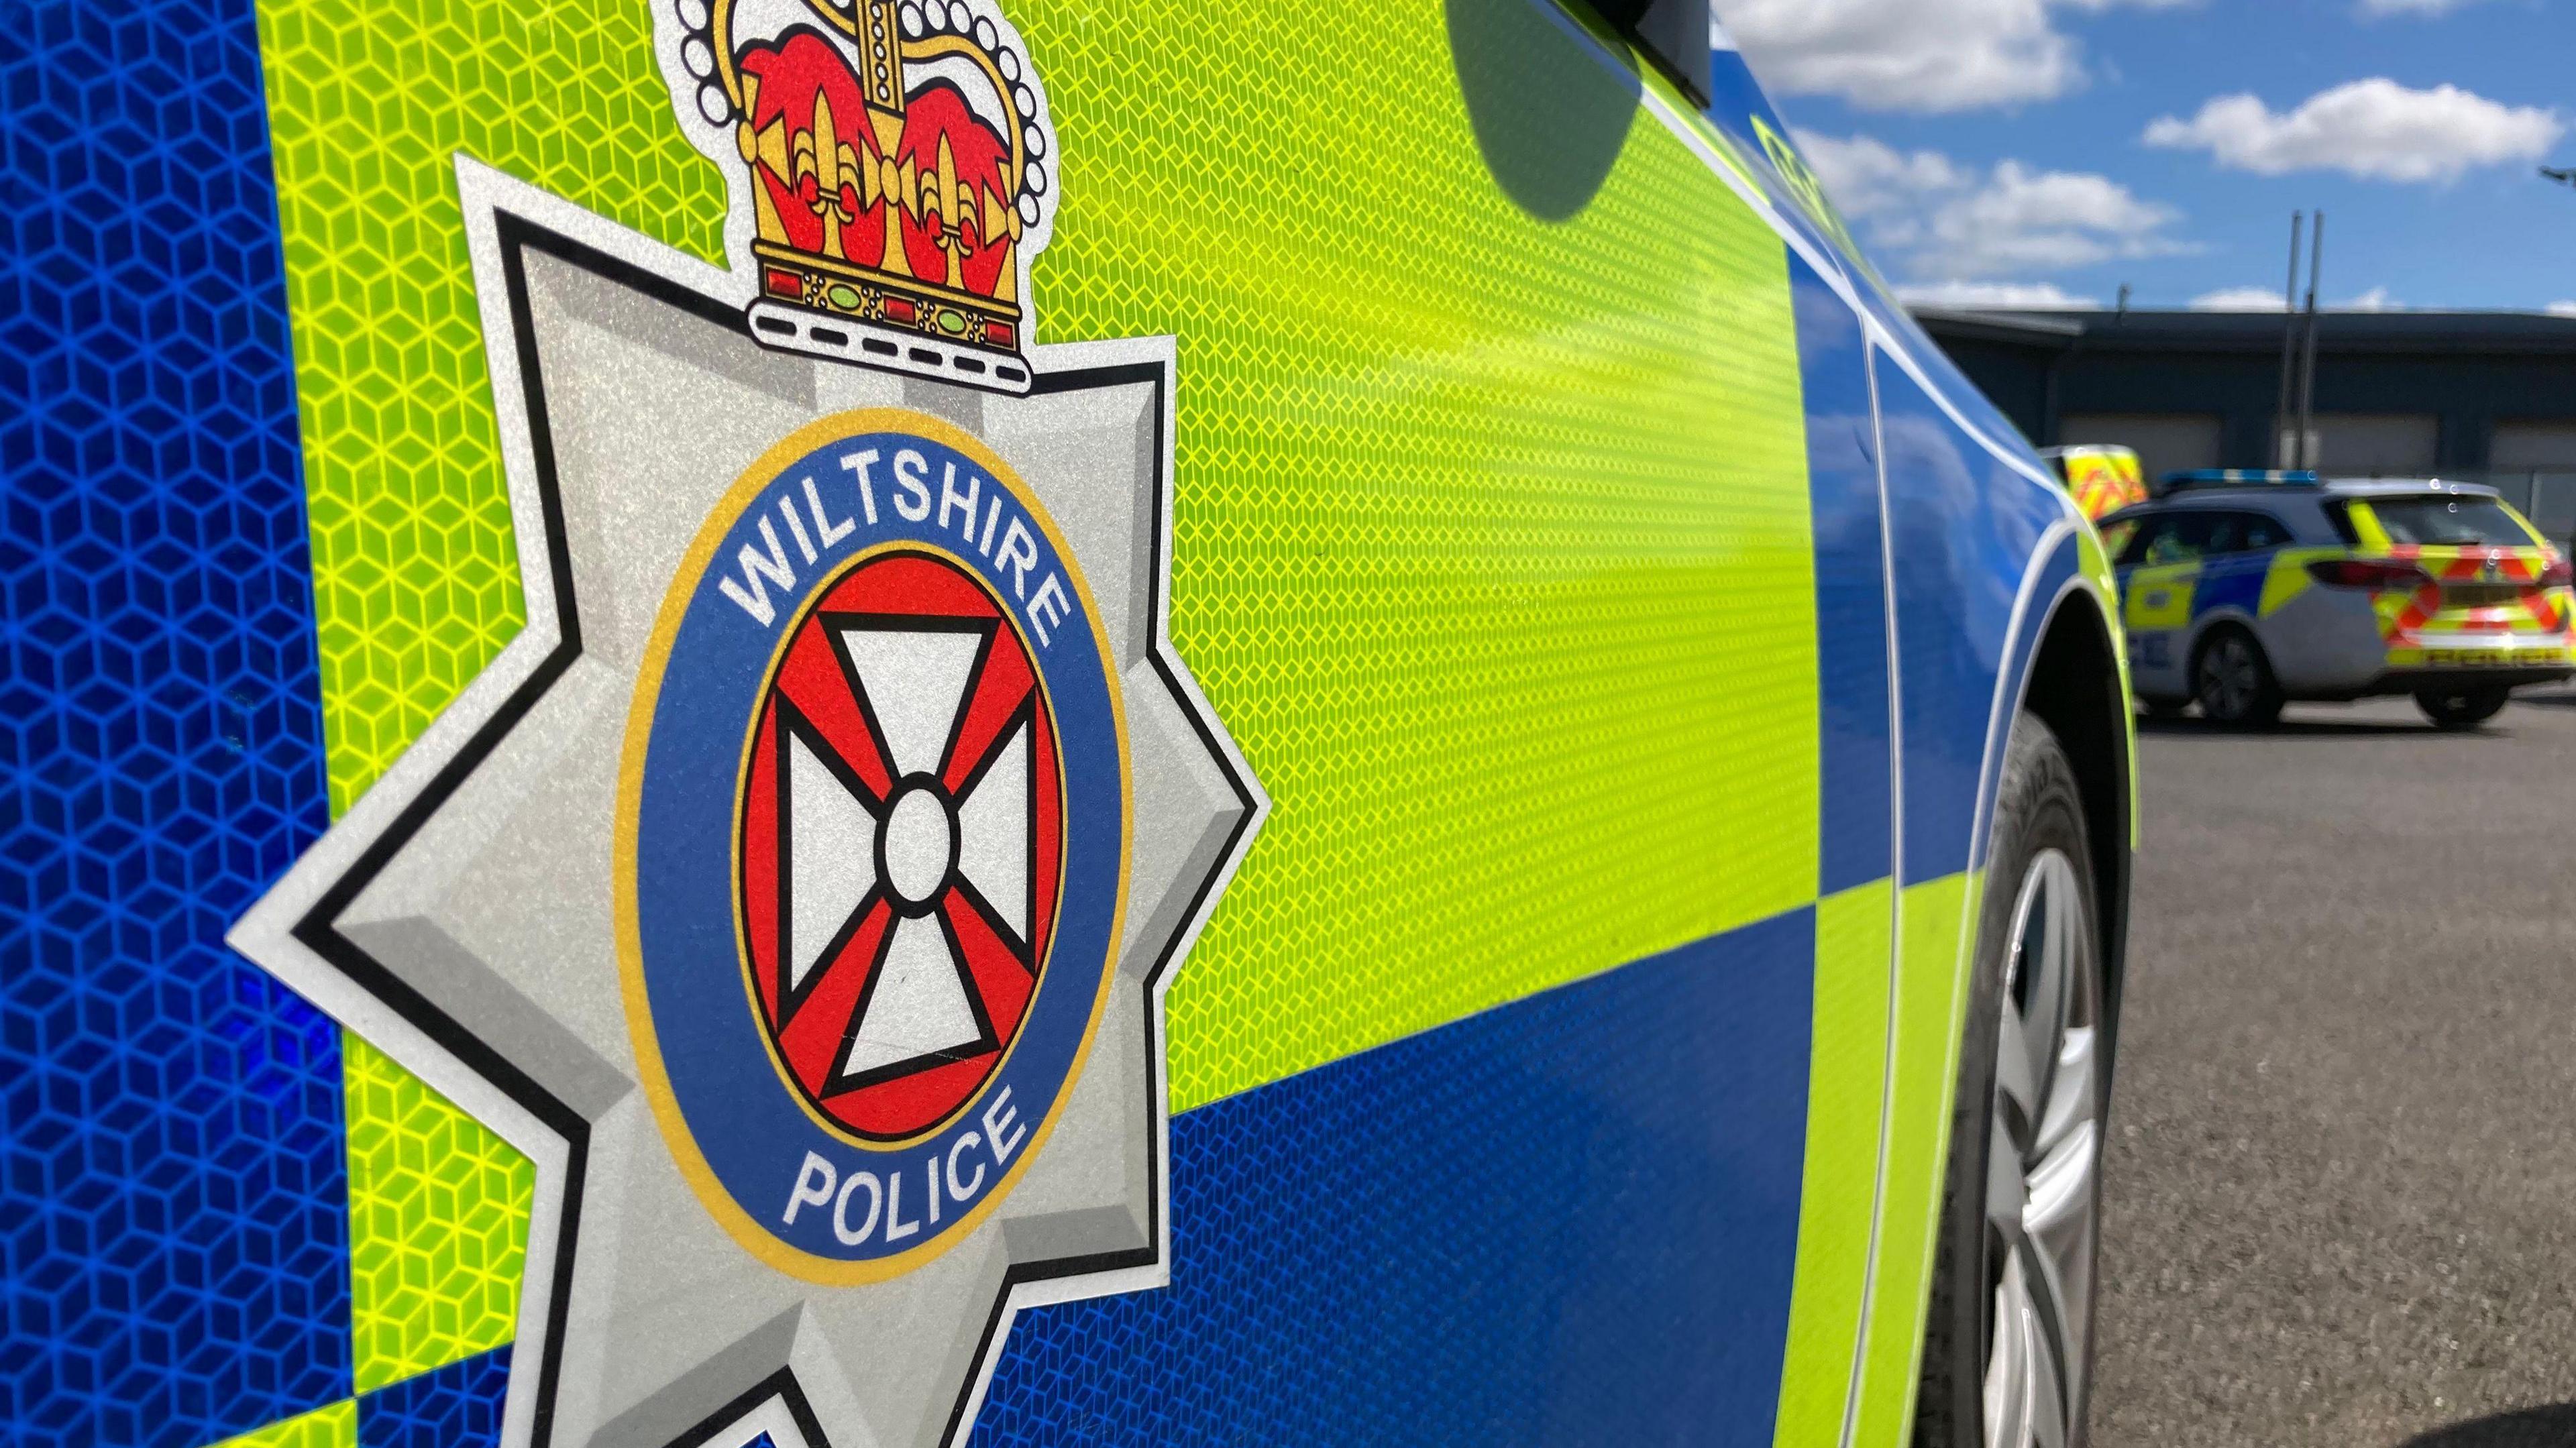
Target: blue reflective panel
(1566,1220)
(1964,525)
(2232,581)
(1851,587)
(172,1212)
(457,1406)
(1935,364)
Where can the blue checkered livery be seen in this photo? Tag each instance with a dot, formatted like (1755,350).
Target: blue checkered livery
(172,1216)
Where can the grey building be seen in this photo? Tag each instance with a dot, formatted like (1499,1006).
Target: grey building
(2477,395)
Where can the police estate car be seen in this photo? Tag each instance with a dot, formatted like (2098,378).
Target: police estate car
(2242,590)
(907,722)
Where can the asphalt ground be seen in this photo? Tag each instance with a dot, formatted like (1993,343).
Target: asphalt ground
(2340,1181)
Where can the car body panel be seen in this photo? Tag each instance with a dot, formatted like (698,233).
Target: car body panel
(2319,643)
(1622,602)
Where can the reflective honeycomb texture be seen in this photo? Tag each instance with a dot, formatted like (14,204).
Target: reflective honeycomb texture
(334,1426)
(1422,429)
(172,1223)
(1486,525)
(438,1210)
(176,1237)
(414,577)
(1362,1253)
(456,1406)
(1415,459)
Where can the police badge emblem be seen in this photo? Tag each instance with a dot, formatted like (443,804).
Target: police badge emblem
(910,899)
(798,890)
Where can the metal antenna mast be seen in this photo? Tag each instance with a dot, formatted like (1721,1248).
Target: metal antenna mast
(2283,453)
(2308,365)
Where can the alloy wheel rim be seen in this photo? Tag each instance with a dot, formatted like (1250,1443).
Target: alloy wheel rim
(2227,678)
(2043,1155)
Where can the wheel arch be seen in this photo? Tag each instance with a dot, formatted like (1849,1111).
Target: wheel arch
(2075,687)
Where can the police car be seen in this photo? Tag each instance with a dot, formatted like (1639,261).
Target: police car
(2243,590)
(2103,479)
(908,722)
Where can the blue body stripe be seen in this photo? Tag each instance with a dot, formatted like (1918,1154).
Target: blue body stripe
(2234,581)
(1856,783)
(1567,1220)
(173,1267)
(1965,525)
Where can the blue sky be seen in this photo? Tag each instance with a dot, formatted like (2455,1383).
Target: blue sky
(2001,151)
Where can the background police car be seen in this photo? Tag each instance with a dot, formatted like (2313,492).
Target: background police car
(2242,591)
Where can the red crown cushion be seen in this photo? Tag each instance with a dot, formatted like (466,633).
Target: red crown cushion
(800,68)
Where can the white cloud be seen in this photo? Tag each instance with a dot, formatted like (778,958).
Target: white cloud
(1914,55)
(2022,220)
(2376,129)
(1992,295)
(2264,299)
(1945,221)
(2238,299)
(2378,8)
(1869,178)
(2562,309)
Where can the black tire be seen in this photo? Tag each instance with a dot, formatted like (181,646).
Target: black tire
(2037,809)
(2232,681)
(2462,708)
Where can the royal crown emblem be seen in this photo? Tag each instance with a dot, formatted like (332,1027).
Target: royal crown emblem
(889,165)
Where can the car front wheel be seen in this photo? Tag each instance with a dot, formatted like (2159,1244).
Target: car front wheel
(2007,1353)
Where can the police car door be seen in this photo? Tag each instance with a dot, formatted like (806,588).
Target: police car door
(2159,571)
(2237,559)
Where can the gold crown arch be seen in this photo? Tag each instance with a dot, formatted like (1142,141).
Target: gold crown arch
(919,319)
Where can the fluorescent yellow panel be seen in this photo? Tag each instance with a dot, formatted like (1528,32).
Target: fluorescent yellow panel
(1846,1094)
(438,1224)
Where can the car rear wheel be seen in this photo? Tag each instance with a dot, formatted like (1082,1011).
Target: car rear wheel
(2008,1343)
(2461,708)
(2233,681)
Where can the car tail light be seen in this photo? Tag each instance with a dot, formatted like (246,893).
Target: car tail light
(2559,574)
(2368,573)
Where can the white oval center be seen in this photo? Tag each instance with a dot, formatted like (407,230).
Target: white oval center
(919,843)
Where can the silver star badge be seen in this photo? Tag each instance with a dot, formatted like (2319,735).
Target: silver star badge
(912,827)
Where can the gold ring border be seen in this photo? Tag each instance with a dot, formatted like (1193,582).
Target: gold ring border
(751,1235)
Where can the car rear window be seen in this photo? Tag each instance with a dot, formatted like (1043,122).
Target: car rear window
(2451,522)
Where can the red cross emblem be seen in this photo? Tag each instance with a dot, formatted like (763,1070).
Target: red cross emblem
(900,836)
